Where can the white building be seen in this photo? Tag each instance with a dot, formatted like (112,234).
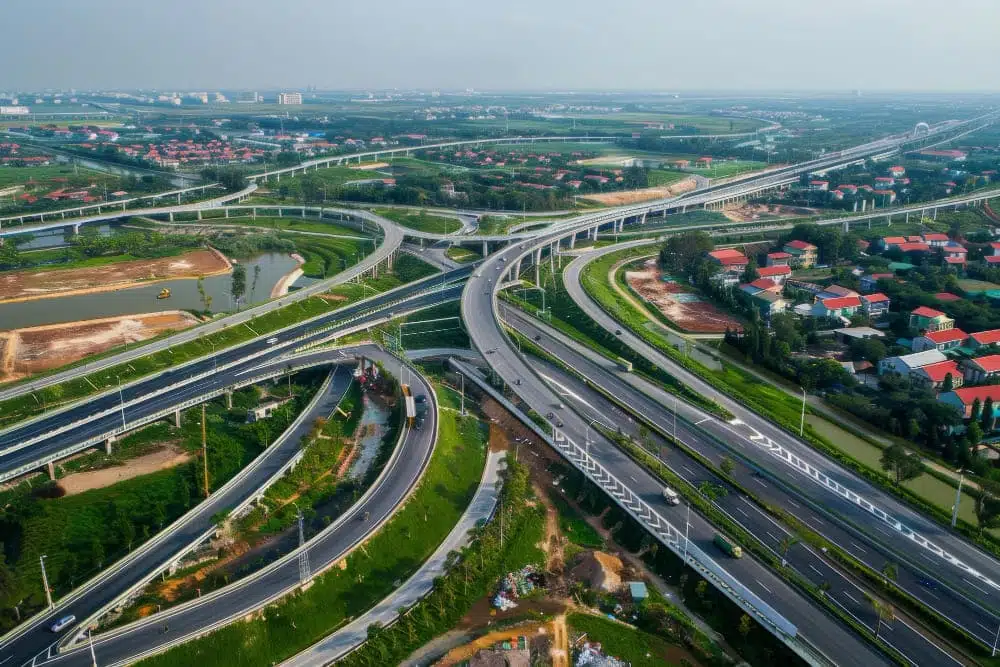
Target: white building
(910,362)
(290,98)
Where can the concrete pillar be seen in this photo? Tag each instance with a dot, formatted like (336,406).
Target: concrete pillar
(643,220)
(76,229)
(227,212)
(864,205)
(907,216)
(486,249)
(171,216)
(572,241)
(935,214)
(538,266)
(199,214)
(107,445)
(229,400)
(303,211)
(52,470)
(517,269)
(177,418)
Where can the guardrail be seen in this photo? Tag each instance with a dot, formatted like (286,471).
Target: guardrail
(669,535)
(294,554)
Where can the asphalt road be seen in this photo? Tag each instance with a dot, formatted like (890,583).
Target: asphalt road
(192,618)
(355,633)
(751,425)
(655,406)
(142,563)
(392,238)
(14,454)
(814,625)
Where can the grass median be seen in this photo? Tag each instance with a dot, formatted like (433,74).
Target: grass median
(394,553)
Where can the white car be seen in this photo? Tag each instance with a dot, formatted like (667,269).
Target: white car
(272,341)
(62,623)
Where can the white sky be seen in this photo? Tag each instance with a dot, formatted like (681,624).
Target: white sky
(920,45)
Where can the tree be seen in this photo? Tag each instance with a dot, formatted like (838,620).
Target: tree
(988,419)
(726,465)
(682,253)
(987,506)
(206,298)
(974,432)
(750,273)
(868,349)
(239,284)
(977,408)
(884,612)
(746,624)
(949,383)
(904,465)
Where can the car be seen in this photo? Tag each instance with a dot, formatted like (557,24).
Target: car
(420,398)
(538,336)
(272,341)
(618,332)
(503,259)
(559,423)
(928,583)
(550,415)
(62,623)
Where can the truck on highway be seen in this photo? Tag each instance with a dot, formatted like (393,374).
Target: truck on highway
(624,364)
(727,546)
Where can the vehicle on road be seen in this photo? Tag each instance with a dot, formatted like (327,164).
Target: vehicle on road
(728,547)
(624,364)
(421,398)
(550,415)
(671,496)
(272,341)
(62,623)
(538,336)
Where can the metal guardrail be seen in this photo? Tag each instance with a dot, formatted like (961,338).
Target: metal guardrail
(663,530)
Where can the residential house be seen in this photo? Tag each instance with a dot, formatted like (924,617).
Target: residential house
(834,291)
(766,284)
(875,305)
(884,182)
(776,273)
(803,254)
(837,195)
(943,339)
(841,307)
(897,171)
(821,186)
(848,189)
(955,253)
(848,335)
(913,246)
(935,376)
(963,399)
(870,283)
(936,240)
(769,303)
(780,258)
(884,197)
(995,247)
(981,369)
(928,319)
(947,297)
(982,339)
(902,365)
(731,264)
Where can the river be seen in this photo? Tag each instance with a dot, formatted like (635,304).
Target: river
(129,301)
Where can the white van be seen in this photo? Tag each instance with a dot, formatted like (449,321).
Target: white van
(62,623)
(671,496)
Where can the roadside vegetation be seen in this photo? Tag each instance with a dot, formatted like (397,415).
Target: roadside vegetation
(84,533)
(395,551)
(422,221)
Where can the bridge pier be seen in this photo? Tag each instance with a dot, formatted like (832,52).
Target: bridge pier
(486,249)
(177,418)
(538,266)
(76,228)
(170,216)
(517,270)
(229,400)
(303,211)
(935,213)
(52,470)
(227,211)
(199,214)
(907,217)
(107,445)
(572,241)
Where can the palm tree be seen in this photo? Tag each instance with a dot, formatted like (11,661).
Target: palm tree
(884,613)
(787,542)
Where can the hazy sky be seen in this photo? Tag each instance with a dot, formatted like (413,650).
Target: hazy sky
(502,44)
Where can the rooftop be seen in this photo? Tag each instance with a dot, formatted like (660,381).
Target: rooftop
(988,337)
(990,363)
(946,336)
(924,311)
(939,371)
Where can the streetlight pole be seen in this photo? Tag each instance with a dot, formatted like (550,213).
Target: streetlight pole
(687,525)
(462,375)
(121,401)
(90,638)
(958,497)
(45,582)
(675,419)
(996,641)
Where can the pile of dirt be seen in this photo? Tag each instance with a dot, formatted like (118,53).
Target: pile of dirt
(643,194)
(166,457)
(599,570)
(679,303)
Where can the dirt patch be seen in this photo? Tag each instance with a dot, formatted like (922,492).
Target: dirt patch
(643,194)
(369,166)
(679,303)
(24,352)
(31,285)
(281,287)
(752,212)
(167,457)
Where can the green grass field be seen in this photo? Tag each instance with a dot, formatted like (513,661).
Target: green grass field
(462,255)
(622,641)
(17,175)
(422,221)
(286,224)
(391,555)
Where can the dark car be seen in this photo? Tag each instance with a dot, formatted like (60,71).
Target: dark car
(420,399)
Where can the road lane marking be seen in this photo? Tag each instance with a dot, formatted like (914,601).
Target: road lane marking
(688,469)
(760,481)
(740,510)
(858,548)
(763,586)
(795,504)
(813,568)
(976,587)
(772,536)
(701,420)
(851,597)
(990,630)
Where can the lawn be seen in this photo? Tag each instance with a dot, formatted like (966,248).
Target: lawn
(724,169)
(573,525)
(287,224)
(623,641)
(392,554)
(462,255)
(17,175)
(975,286)
(422,221)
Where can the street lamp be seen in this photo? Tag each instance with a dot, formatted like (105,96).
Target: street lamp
(121,400)
(687,525)
(45,581)
(586,433)
(958,496)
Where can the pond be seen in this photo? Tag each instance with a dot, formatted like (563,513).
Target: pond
(134,300)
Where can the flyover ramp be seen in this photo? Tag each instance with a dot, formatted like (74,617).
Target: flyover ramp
(202,615)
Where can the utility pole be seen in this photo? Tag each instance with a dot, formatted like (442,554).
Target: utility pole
(121,401)
(204,447)
(45,582)
(958,498)
(303,553)
(802,418)
(462,375)
(90,638)
(687,525)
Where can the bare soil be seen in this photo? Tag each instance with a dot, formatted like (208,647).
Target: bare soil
(24,352)
(167,457)
(643,194)
(696,316)
(751,212)
(31,285)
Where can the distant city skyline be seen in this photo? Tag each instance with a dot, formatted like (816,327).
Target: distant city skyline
(518,45)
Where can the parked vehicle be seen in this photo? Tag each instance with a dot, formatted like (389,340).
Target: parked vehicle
(728,547)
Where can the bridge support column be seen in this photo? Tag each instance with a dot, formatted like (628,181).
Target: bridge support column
(199,214)
(76,229)
(864,205)
(486,249)
(517,270)
(643,220)
(303,211)
(170,216)
(107,445)
(935,214)
(907,217)
(538,266)
(227,212)
(177,418)
(572,241)
(847,226)
(52,470)
(178,198)
(229,400)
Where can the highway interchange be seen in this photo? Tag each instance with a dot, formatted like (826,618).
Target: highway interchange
(820,632)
